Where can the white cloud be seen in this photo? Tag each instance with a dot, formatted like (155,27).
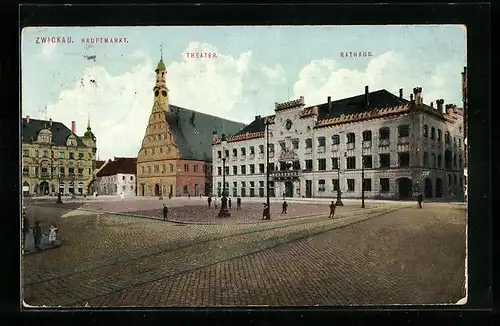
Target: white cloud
(119,106)
(391,71)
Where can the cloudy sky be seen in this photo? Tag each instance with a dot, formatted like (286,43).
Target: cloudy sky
(254,67)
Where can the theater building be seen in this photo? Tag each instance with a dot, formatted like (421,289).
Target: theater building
(176,152)
(55,159)
(407,147)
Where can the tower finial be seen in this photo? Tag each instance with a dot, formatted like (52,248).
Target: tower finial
(88,122)
(161,52)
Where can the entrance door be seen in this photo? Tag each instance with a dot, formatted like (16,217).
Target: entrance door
(171,190)
(308,188)
(142,189)
(404,188)
(157,190)
(44,188)
(288,189)
(428,188)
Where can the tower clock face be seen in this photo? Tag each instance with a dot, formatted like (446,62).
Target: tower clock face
(157,92)
(288,124)
(164,93)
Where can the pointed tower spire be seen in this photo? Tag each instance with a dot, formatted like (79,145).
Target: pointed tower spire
(88,122)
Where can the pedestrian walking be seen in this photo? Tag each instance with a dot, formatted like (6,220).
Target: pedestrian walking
(238,203)
(284,207)
(265,212)
(420,199)
(165,212)
(229,202)
(37,235)
(215,202)
(122,196)
(26,227)
(332,210)
(209,200)
(52,233)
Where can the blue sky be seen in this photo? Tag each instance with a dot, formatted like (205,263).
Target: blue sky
(255,67)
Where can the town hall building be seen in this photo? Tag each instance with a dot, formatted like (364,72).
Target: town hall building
(407,147)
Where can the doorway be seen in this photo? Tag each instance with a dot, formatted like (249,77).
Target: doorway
(404,188)
(288,189)
(157,190)
(428,188)
(44,188)
(142,189)
(308,188)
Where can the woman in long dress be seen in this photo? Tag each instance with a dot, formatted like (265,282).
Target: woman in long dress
(52,233)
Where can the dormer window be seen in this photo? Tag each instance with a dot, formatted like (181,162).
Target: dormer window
(45,136)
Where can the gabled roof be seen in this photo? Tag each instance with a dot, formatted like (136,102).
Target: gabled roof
(60,133)
(125,165)
(193,131)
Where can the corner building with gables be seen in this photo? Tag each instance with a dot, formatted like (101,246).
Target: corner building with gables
(407,147)
(176,155)
(54,159)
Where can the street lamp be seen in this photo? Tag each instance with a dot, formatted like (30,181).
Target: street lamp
(267,171)
(224,211)
(339,193)
(362,181)
(59,177)
(161,190)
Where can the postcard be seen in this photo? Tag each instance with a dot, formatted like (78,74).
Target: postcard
(243,166)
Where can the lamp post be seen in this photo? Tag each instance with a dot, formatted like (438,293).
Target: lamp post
(59,177)
(339,193)
(161,190)
(224,211)
(267,170)
(362,181)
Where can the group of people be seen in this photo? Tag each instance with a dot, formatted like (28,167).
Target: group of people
(37,231)
(229,204)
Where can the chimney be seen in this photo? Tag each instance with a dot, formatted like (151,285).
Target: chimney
(418,95)
(432,105)
(439,104)
(329,100)
(73,127)
(50,121)
(257,117)
(27,119)
(367,100)
(411,98)
(400,93)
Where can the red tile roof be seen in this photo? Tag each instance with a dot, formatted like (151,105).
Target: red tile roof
(126,165)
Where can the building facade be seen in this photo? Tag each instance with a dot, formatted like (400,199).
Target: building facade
(407,147)
(118,176)
(54,159)
(175,156)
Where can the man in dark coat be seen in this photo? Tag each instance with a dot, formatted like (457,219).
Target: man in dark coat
(238,203)
(209,200)
(420,199)
(229,202)
(265,212)
(37,235)
(284,207)
(332,210)
(165,212)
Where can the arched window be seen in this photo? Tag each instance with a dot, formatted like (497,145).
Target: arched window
(426,131)
(433,133)
(384,133)
(367,135)
(351,137)
(335,139)
(403,131)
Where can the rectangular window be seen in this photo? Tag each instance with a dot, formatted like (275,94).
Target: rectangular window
(243,169)
(80,171)
(321,185)
(335,139)
(252,189)
(226,153)
(426,131)
(351,162)
(350,184)
(426,160)
(252,150)
(219,170)
(61,170)
(261,168)
(226,170)
(404,159)
(243,151)
(186,168)
(252,168)
(80,156)
(235,170)
(157,168)
(384,184)
(123,178)
(403,131)
(309,165)
(321,141)
(296,165)
(335,163)
(131,178)
(219,154)
(271,148)
(368,161)
(367,184)
(71,155)
(385,160)
(335,184)
(439,134)
(309,143)
(195,168)
(322,164)
(295,144)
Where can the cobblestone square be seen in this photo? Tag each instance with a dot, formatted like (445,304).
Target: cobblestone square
(120,253)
